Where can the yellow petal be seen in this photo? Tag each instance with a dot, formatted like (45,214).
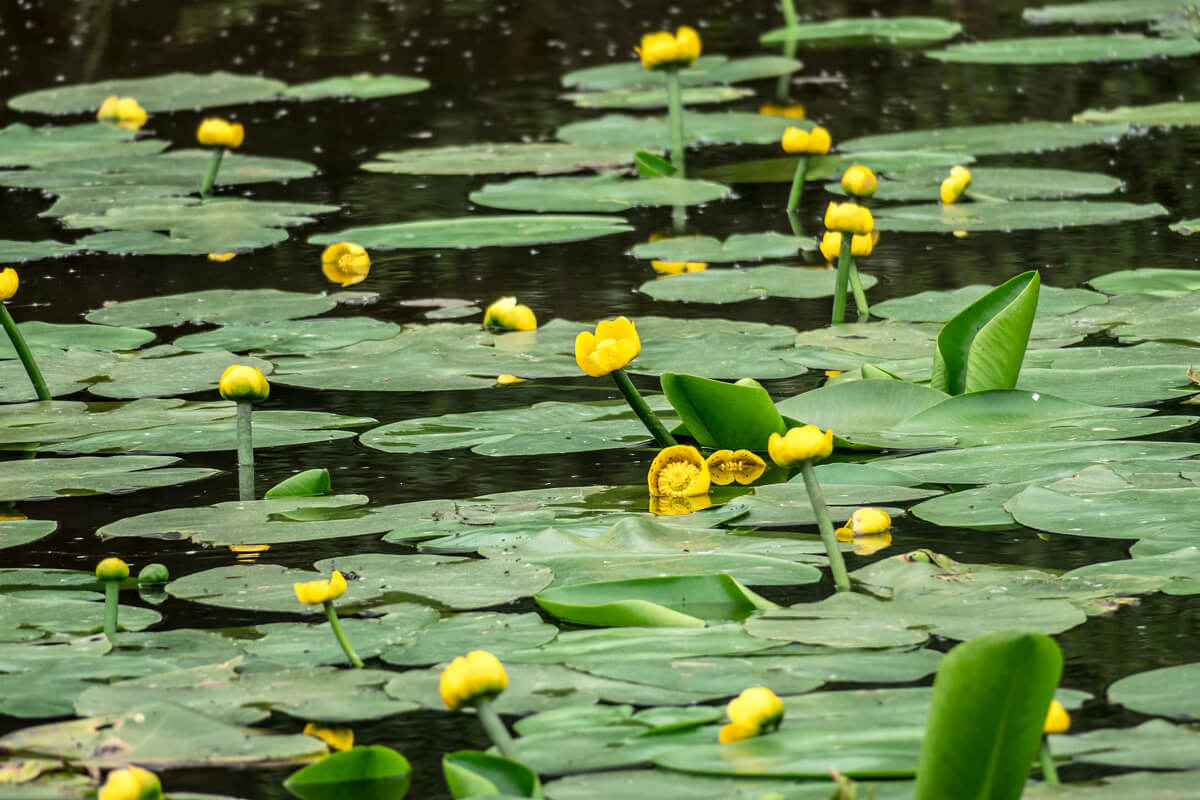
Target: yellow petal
(1057,719)
(678,471)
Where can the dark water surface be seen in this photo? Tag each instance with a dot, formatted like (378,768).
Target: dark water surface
(495,70)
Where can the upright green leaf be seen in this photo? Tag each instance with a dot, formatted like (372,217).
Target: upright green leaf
(308,483)
(650,165)
(719,414)
(471,773)
(986,716)
(364,773)
(983,346)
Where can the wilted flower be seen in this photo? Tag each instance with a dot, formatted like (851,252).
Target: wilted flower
(242,384)
(321,591)
(614,344)
(727,466)
(678,471)
(478,675)
(345,263)
(805,443)
(507,313)
(754,712)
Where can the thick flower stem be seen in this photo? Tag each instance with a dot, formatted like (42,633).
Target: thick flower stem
(797,184)
(860,297)
(210,177)
(845,260)
(817,498)
(18,343)
(495,729)
(789,50)
(112,591)
(336,625)
(794,221)
(1049,770)
(245,451)
(675,109)
(638,404)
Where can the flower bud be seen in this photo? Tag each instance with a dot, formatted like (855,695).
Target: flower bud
(795,140)
(819,141)
(507,313)
(859,181)
(131,783)
(755,711)
(217,132)
(112,569)
(244,384)
(9,281)
(1057,719)
(478,675)
(801,444)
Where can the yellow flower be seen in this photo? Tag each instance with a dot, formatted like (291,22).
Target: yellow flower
(345,263)
(859,181)
(112,569)
(800,444)
(849,218)
(678,471)
(218,132)
(124,111)
(614,344)
(506,379)
(661,50)
(860,245)
(131,783)
(676,506)
(506,313)
(678,267)
(726,466)
(866,521)
(1057,719)
(247,553)
(795,140)
(953,187)
(819,141)
(960,173)
(243,384)
(788,110)
(221,257)
(322,591)
(9,281)
(337,738)
(754,712)
(478,675)
(869,544)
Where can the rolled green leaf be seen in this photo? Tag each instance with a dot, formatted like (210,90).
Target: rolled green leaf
(364,773)
(471,773)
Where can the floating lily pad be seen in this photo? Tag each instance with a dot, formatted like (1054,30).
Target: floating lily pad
(1162,114)
(12,251)
(1149,280)
(1121,514)
(288,336)
(1017,215)
(68,477)
(980,140)
(1148,785)
(600,193)
(706,70)
(1004,183)
(656,97)
(543,158)
(645,784)
(443,640)
(59,420)
(1162,692)
(362,85)
(861,412)
(1145,373)
(74,613)
(176,91)
(214,306)
(1066,50)
(651,133)
(738,247)
(1101,11)
(21,145)
(167,371)
(1156,744)
(1176,572)
(850,31)
(783,170)
(17,532)
(935,306)
(64,373)
(480,231)
(736,285)
(82,337)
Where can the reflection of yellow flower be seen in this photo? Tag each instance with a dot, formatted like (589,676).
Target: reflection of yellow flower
(860,244)
(345,263)
(217,132)
(788,110)
(678,471)
(124,111)
(661,50)
(676,506)
(322,591)
(805,443)
(755,711)
(131,783)
(478,675)
(241,383)
(867,544)
(505,380)
(859,181)
(506,313)
(614,344)
(678,267)
(221,257)
(337,738)
(953,187)
(726,466)
(1057,719)
(849,218)
(9,281)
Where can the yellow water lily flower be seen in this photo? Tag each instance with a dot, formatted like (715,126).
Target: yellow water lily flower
(677,506)
(217,132)
(1057,719)
(131,783)
(506,379)
(754,712)
(849,218)
(126,112)
(860,245)
(795,140)
(614,344)
(336,737)
(805,443)
(9,282)
(678,267)
(221,258)
(678,471)
(248,552)
(321,591)
(507,313)
(786,110)
(478,675)
(952,187)
(241,383)
(859,181)
(871,543)
(345,263)
(662,50)
(727,466)
(112,569)
(869,520)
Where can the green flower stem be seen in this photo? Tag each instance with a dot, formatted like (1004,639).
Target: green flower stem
(495,729)
(675,107)
(817,498)
(679,219)
(794,221)
(789,50)
(860,297)
(638,404)
(18,343)
(1049,770)
(845,260)
(112,591)
(245,451)
(336,624)
(210,177)
(797,184)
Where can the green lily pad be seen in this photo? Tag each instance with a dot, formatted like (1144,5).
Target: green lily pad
(1122,514)
(783,170)
(1161,114)
(646,784)
(681,601)
(1066,50)
(754,283)
(1145,373)
(176,91)
(224,306)
(980,508)
(1176,572)
(290,336)
(64,373)
(706,70)
(982,140)
(75,613)
(23,146)
(656,97)
(1162,692)
(849,31)
(543,158)
(40,335)
(444,639)
(12,251)
(1148,785)
(610,193)
(59,420)
(1149,280)
(1101,11)
(362,85)
(1156,744)
(738,247)
(479,231)
(935,306)
(168,371)
(70,477)
(1004,183)
(861,413)
(651,133)
(17,532)
(1017,215)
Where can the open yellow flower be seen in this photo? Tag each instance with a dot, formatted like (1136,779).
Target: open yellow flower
(662,50)
(678,267)
(9,282)
(867,521)
(727,466)
(131,783)
(754,712)
(507,313)
(241,383)
(860,245)
(217,132)
(478,675)
(614,344)
(805,443)
(1057,719)
(849,218)
(859,181)
(345,263)
(126,112)
(678,506)
(321,591)
(786,110)
(678,471)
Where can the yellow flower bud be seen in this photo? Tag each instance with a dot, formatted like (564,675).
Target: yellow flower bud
(1057,719)
(9,281)
(678,267)
(786,110)
(244,384)
(806,443)
(859,181)
(217,132)
(849,218)
(131,783)
(726,466)
(124,111)
(860,245)
(321,591)
(953,186)
(478,675)
(688,42)
(819,141)
(661,50)
(614,344)
(678,471)
(795,140)
(112,569)
(754,712)
(506,313)
(336,737)
(866,521)
(345,263)
(108,108)
(960,173)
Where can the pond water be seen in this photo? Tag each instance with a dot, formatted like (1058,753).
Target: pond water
(495,69)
